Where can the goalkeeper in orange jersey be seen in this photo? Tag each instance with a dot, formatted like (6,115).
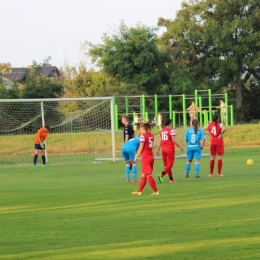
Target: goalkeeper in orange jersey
(39,144)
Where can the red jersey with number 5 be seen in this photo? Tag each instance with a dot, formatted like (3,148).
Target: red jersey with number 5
(215,131)
(148,139)
(166,139)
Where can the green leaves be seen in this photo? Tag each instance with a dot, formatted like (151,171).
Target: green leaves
(132,56)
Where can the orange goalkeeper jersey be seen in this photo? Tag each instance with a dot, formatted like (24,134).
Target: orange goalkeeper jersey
(42,134)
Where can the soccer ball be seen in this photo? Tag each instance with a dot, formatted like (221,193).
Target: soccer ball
(250,162)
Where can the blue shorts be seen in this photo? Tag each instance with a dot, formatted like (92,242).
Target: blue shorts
(38,147)
(193,152)
(128,154)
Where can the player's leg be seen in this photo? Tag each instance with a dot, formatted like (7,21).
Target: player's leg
(43,157)
(220,151)
(197,156)
(145,165)
(170,161)
(197,167)
(134,165)
(188,162)
(213,152)
(149,171)
(127,164)
(37,148)
(164,158)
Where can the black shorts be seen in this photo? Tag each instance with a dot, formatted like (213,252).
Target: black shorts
(38,147)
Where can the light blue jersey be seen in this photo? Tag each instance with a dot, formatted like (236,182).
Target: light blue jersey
(193,143)
(129,149)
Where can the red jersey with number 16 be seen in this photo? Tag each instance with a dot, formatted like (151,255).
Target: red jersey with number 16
(148,139)
(215,131)
(166,139)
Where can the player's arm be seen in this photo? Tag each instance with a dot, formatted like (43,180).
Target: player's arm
(176,143)
(206,130)
(223,130)
(139,151)
(202,143)
(126,137)
(39,135)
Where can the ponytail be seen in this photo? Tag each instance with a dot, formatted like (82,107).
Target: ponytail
(195,124)
(146,126)
(215,119)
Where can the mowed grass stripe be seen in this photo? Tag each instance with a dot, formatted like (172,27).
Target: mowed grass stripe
(88,212)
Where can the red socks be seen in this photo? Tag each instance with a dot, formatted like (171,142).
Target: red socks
(211,166)
(219,166)
(142,184)
(152,183)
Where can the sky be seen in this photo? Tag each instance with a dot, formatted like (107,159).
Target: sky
(35,29)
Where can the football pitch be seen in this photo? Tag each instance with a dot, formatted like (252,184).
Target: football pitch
(86,211)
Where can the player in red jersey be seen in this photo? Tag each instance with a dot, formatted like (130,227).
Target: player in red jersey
(167,142)
(216,131)
(145,149)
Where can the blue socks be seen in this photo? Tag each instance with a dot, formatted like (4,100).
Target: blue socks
(127,172)
(134,171)
(187,168)
(197,168)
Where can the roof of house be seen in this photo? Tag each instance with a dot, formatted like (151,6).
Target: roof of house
(20,73)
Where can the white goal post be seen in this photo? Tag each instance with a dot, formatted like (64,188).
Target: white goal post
(81,129)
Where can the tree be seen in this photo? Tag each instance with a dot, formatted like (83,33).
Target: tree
(5,67)
(132,56)
(36,85)
(83,82)
(217,39)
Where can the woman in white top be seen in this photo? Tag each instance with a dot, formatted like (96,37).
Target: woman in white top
(159,118)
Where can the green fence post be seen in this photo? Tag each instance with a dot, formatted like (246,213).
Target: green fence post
(200,113)
(210,105)
(156,108)
(205,117)
(196,97)
(126,106)
(170,106)
(226,102)
(146,117)
(173,119)
(184,110)
(143,106)
(232,115)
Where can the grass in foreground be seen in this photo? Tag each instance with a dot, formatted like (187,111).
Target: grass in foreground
(88,212)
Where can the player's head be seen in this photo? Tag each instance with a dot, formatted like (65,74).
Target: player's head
(145,127)
(47,127)
(195,124)
(168,122)
(125,120)
(221,101)
(215,118)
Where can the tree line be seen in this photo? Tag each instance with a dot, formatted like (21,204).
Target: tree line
(209,44)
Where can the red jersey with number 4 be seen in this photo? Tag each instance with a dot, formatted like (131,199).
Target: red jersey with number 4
(215,131)
(166,139)
(148,139)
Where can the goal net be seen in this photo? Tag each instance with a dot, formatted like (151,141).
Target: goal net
(81,130)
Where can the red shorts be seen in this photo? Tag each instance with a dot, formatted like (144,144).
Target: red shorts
(168,157)
(147,165)
(217,148)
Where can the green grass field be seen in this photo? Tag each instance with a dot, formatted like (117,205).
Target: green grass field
(87,211)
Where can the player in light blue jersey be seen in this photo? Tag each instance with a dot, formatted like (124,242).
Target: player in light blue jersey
(128,152)
(195,140)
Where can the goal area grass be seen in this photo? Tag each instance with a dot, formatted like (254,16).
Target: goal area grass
(86,211)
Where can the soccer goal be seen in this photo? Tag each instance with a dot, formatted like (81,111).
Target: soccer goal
(81,129)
